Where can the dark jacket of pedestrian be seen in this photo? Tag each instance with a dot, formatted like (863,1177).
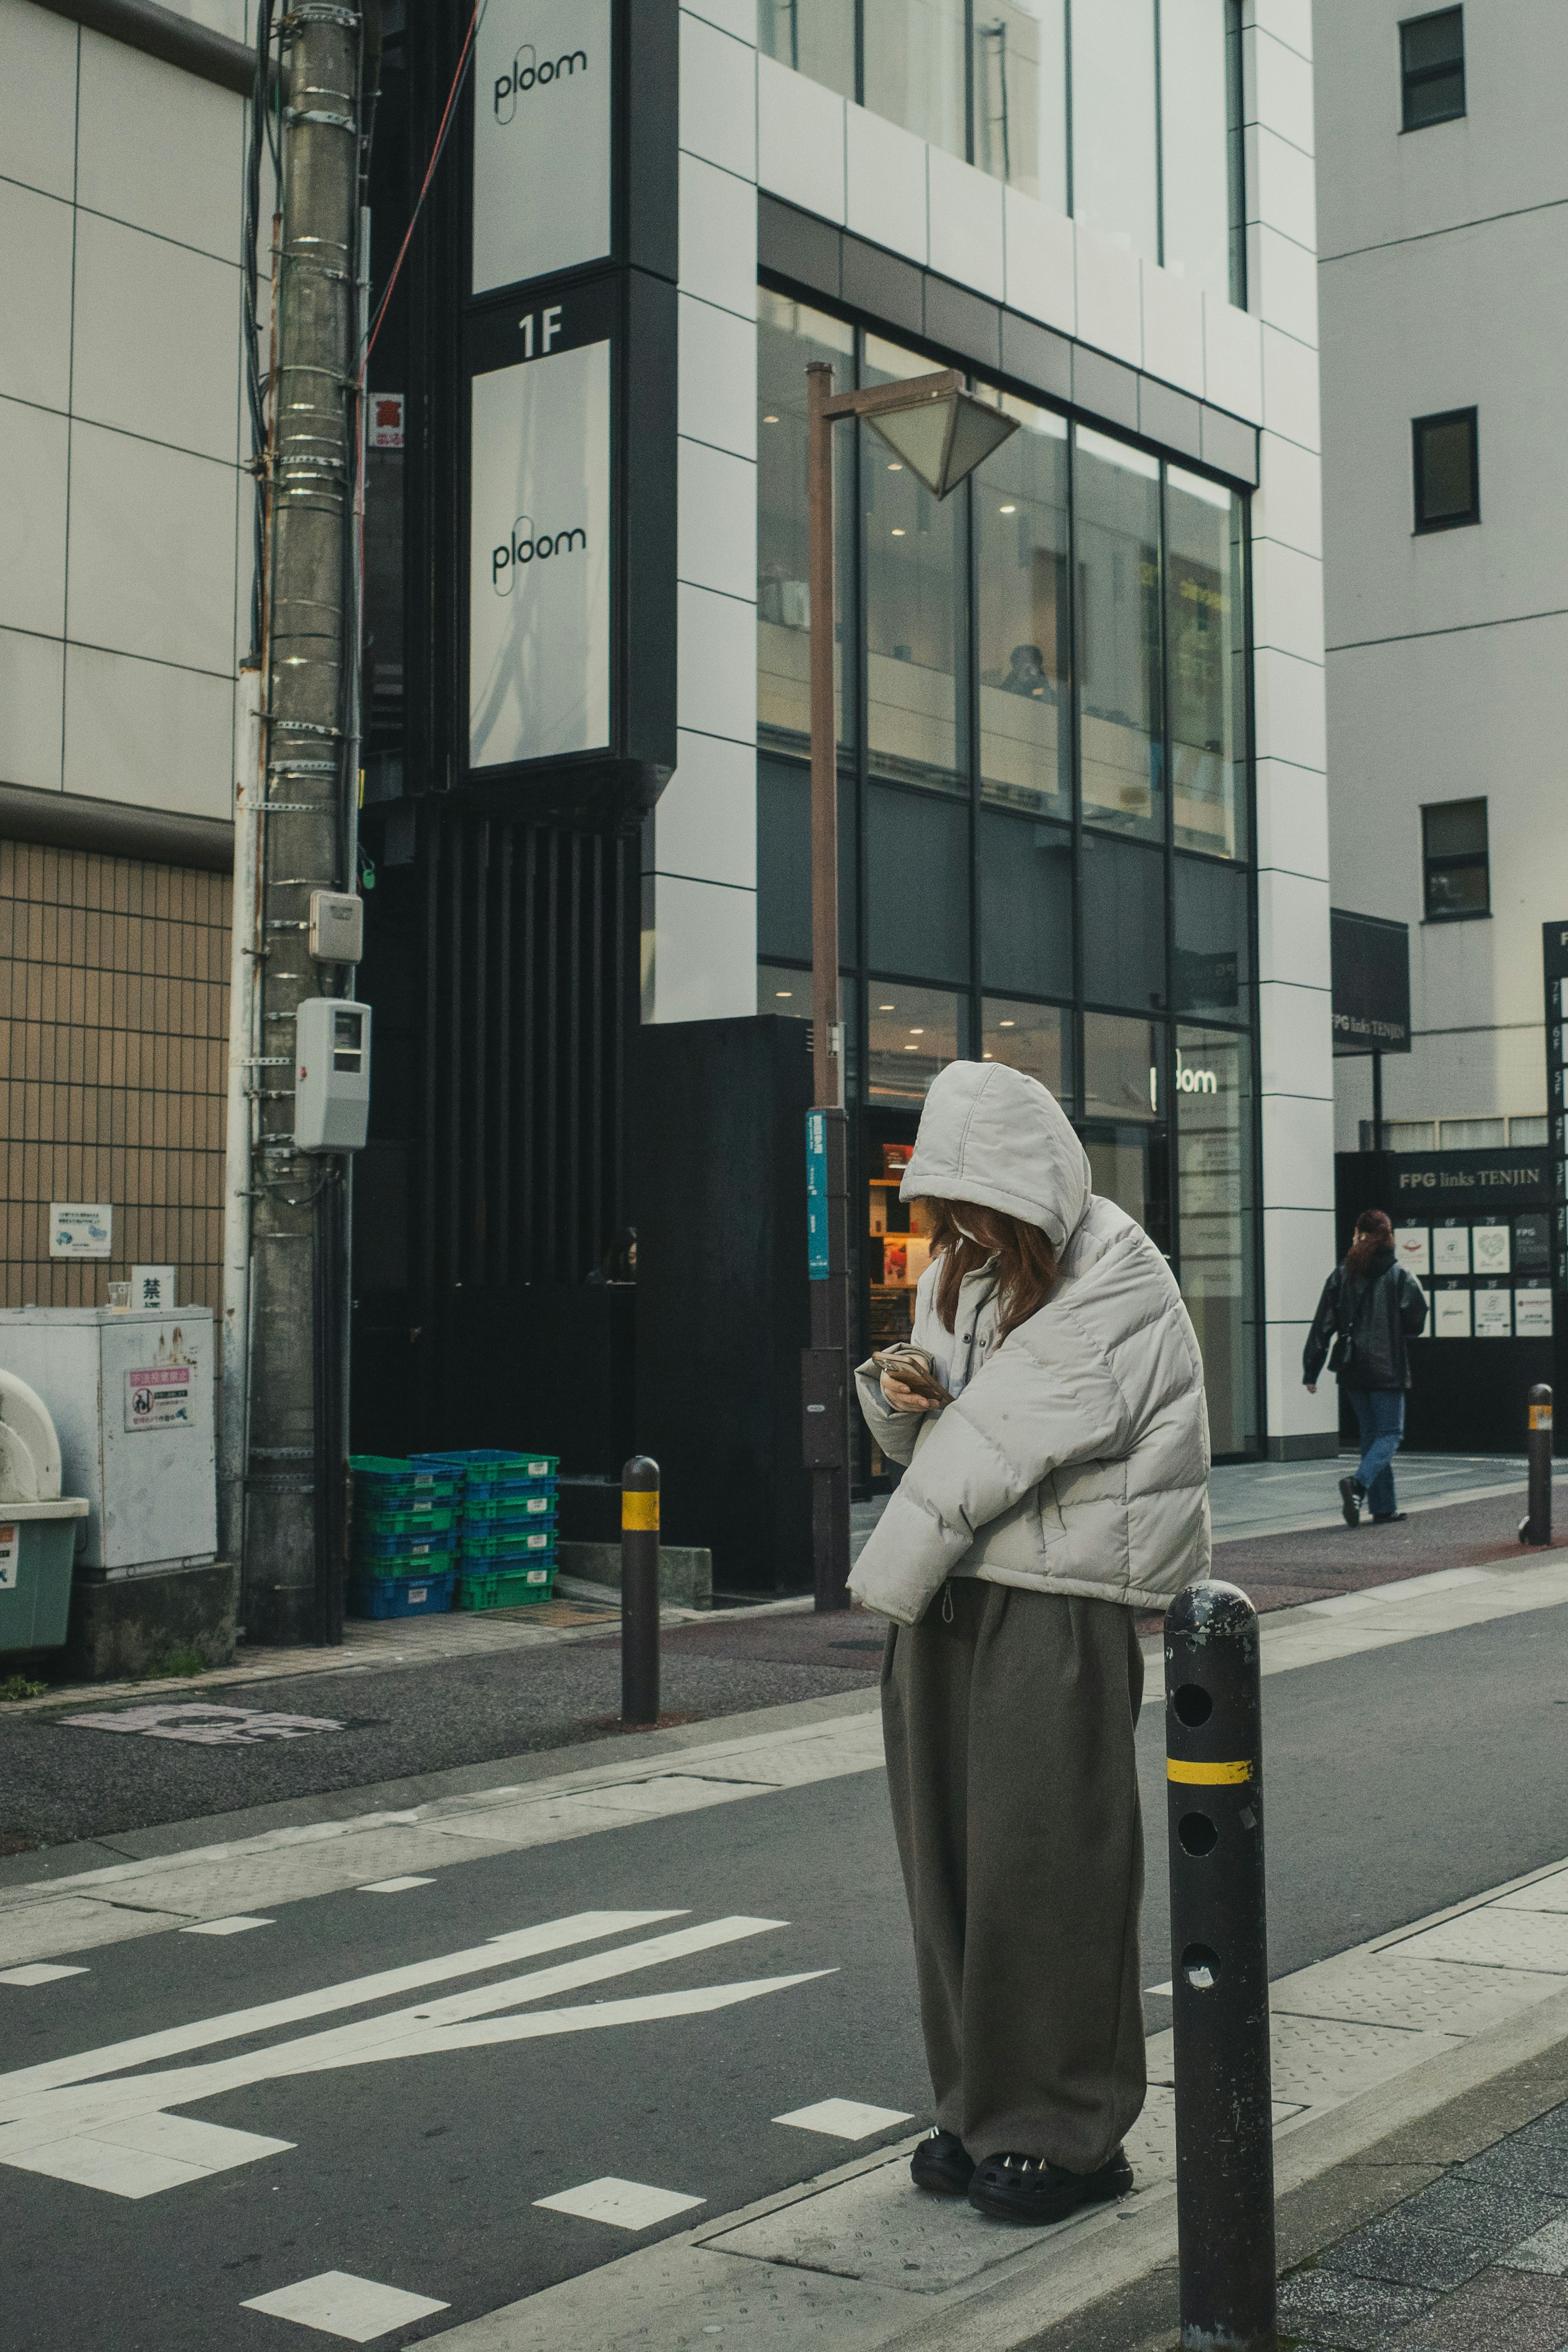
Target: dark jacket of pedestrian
(1363,1320)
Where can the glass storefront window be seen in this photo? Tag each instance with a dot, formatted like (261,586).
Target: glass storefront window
(788,337)
(1213,956)
(917,882)
(1204,607)
(784,859)
(1214,1158)
(781,988)
(1117,505)
(916,607)
(1020,95)
(1025,640)
(1121,1067)
(1035,1038)
(912,1033)
(1123,886)
(914,67)
(1026,904)
(817,37)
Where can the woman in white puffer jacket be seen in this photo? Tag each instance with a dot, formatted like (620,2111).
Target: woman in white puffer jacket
(1063,1489)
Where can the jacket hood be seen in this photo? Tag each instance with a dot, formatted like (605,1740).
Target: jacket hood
(990,1135)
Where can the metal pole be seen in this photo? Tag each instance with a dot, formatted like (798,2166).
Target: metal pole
(830,1445)
(640,1591)
(290,1570)
(1377,1102)
(244,912)
(1219,1972)
(1535,1528)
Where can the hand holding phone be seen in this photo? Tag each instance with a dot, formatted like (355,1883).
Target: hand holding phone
(910,1370)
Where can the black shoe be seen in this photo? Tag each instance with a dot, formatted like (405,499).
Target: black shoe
(1019,2188)
(1350,1496)
(1386,1519)
(942,2165)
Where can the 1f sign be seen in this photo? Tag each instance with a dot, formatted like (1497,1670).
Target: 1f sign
(542,139)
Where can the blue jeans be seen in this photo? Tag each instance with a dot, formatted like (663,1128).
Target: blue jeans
(1380,1417)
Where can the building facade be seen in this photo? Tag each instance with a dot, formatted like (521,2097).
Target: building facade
(1442,182)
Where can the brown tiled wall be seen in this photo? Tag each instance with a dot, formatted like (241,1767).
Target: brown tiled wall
(113,1038)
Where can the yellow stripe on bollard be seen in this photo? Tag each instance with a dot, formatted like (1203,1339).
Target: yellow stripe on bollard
(1541,1416)
(1209,1776)
(640,1507)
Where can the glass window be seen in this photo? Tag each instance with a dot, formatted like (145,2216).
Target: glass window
(1131,1165)
(1214,1197)
(1035,1038)
(1212,966)
(1026,904)
(1205,612)
(1432,68)
(1236,151)
(1195,142)
(1121,1067)
(916,607)
(788,337)
(918,884)
(1113,185)
(1118,554)
(1454,859)
(1021,529)
(912,1033)
(1123,887)
(781,988)
(1447,470)
(817,37)
(784,860)
(913,52)
(1020,95)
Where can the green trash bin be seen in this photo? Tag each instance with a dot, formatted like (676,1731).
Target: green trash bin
(38,1549)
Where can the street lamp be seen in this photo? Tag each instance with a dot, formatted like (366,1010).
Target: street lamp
(942,432)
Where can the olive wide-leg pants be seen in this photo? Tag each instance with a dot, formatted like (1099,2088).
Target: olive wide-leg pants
(1008,1719)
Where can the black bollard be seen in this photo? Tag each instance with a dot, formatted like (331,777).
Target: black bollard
(1219,1972)
(1535,1528)
(640,1591)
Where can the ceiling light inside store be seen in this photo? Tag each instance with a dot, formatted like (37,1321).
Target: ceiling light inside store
(1007,1025)
(770,420)
(884,1008)
(783,991)
(917,1032)
(1007,509)
(896,532)
(895,467)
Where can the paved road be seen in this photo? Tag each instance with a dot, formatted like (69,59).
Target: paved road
(1398,1781)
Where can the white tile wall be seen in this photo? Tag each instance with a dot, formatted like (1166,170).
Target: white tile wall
(139,300)
(37,97)
(1233,359)
(736,17)
(1287,696)
(1288,603)
(179,177)
(1282,283)
(704,952)
(717,533)
(1300,1243)
(1281,186)
(800,140)
(1288,507)
(1290,389)
(1110,305)
(1172,329)
(1293,928)
(1297,1045)
(32,675)
(718,236)
(1290,21)
(716,687)
(1041,263)
(885,187)
(1292,819)
(1298,1422)
(1298,1145)
(1278,89)
(127,720)
(704,825)
(717,377)
(965,210)
(151,551)
(718,97)
(34,295)
(33,447)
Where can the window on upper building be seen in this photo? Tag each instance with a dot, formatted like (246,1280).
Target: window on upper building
(1432,68)
(1448,472)
(1456,870)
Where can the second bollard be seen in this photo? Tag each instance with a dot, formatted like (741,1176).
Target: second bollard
(1219,1972)
(640,1591)
(1535,1528)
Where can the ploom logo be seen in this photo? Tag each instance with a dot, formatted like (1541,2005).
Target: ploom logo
(524,545)
(530,72)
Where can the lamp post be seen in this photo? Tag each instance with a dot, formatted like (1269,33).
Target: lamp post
(942,432)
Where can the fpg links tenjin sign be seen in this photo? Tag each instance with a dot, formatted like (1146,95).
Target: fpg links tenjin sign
(542,139)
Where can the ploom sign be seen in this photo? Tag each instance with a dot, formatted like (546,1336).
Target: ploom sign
(538,602)
(542,139)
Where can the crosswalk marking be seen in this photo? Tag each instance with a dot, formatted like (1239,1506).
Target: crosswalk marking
(336,2303)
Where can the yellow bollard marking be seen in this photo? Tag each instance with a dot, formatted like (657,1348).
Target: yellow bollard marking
(640,1507)
(1209,1776)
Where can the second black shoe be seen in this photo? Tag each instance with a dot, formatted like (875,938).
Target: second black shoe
(1350,1496)
(1019,2188)
(1385,1518)
(942,2165)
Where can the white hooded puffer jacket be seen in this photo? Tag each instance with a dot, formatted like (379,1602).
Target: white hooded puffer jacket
(1075,1457)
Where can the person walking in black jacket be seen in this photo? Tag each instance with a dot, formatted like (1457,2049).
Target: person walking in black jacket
(1369,1308)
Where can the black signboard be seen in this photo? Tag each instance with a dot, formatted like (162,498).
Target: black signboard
(1554,970)
(1438,1187)
(1369,961)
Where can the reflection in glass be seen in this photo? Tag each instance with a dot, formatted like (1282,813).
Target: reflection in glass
(1020,95)
(1123,922)
(1214,1157)
(915,629)
(912,1033)
(784,859)
(788,337)
(1208,659)
(913,52)
(1020,524)
(1194,142)
(1035,1038)
(918,884)
(1113,152)
(1121,1067)
(1213,965)
(1026,904)
(781,988)
(817,37)
(1118,542)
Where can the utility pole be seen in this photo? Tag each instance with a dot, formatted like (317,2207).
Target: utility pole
(304,791)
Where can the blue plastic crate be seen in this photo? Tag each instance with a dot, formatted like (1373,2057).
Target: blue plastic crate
(401,1596)
(488,1465)
(430,1549)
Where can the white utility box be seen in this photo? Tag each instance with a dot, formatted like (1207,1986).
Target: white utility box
(331,1074)
(130,1396)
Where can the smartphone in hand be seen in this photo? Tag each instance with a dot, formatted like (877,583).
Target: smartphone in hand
(913,1367)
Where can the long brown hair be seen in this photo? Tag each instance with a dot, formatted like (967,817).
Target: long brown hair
(1025,1262)
(1372,1232)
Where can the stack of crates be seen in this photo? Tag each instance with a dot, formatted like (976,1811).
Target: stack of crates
(402,1557)
(508,1508)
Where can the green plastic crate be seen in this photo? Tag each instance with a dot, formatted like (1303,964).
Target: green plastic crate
(393,1482)
(423,1518)
(513,1543)
(504,1588)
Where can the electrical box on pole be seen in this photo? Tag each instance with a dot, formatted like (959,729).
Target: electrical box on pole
(331,1074)
(337,926)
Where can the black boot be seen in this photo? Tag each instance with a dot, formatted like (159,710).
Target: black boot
(1352,1494)
(1024,2188)
(942,2165)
